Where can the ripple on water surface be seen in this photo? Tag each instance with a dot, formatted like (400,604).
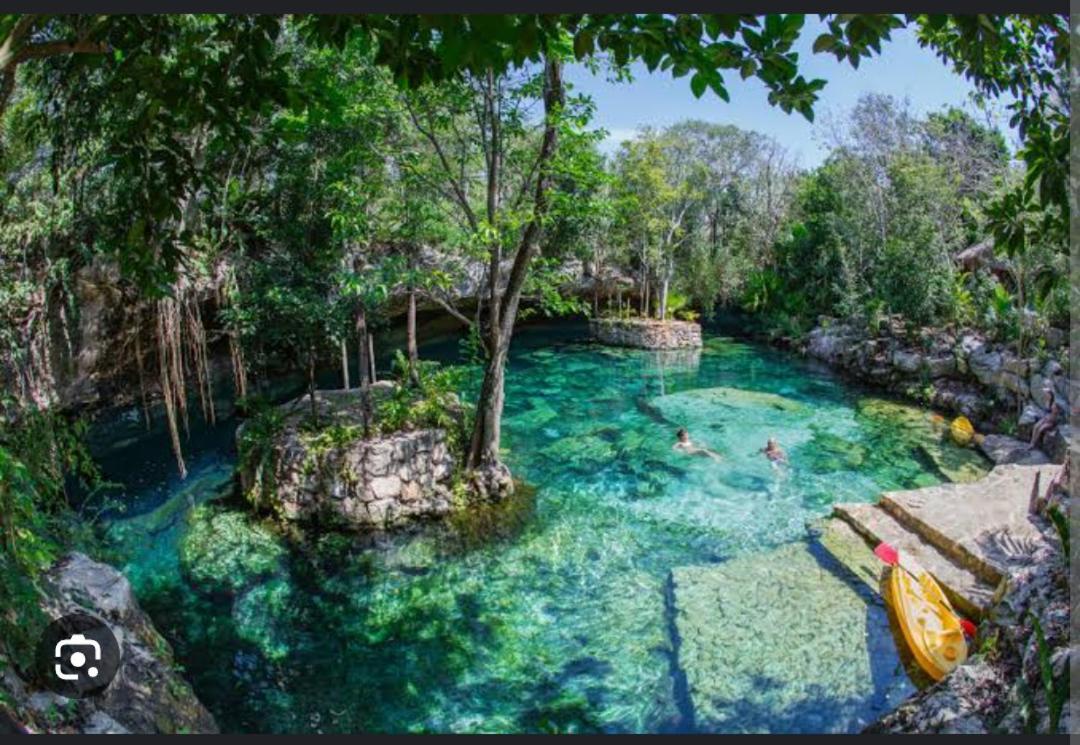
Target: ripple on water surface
(562,620)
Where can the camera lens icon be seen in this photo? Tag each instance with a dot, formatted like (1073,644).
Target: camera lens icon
(77,656)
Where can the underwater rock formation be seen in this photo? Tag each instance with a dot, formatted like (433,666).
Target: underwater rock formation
(755,661)
(225,552)
(146,696)
(646,333)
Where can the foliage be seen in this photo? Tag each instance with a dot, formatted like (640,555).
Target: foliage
(1057,690)
(256,448)
(1061,524)
(435,403)
(39,451)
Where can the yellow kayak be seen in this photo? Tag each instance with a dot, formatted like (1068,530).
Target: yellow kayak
(931,628)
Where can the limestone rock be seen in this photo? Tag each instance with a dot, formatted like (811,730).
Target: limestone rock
(646,333)
(146,696)
(824,661)
(907,361)
(379,483)
(985,364)
(1004,449)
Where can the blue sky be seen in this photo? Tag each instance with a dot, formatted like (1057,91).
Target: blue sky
(903,70)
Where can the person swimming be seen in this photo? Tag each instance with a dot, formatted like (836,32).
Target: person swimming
(774,452)
(685,444)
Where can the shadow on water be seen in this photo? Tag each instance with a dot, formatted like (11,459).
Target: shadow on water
(889,659)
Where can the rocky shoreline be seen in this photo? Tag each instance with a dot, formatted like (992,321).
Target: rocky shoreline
(1002,687)
(960,372)
(147,696)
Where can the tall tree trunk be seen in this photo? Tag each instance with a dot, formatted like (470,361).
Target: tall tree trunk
(363,369)
(345,364)
(663,297)
(489,473)
(410,340)
(371,357)
(311,385)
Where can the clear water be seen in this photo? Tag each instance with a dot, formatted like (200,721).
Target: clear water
(553,612)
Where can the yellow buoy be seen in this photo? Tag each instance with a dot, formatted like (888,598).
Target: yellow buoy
(961,430)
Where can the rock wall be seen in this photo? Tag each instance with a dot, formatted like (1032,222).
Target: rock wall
(380,483)
(958,372)
(146,696)
(646,333)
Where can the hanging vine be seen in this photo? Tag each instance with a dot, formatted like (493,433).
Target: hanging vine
(200,358)
(227,295)
(170,368)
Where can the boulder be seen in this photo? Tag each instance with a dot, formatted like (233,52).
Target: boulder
(1056,442)
(146,696)
(1003,449)
(907,361)
(941,366)
(985,364)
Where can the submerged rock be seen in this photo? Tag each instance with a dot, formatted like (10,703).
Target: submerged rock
(679,406)
(146,696)
(779,642)
(957,464)
(926,432)
(224,552)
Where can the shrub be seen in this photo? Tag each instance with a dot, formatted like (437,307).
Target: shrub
(39,451)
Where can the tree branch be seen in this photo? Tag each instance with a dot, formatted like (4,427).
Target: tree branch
(447,306)
(459,192)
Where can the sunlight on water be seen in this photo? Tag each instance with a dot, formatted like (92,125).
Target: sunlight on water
(552,613)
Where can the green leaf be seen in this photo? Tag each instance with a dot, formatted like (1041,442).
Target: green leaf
(698,84)
(824,43)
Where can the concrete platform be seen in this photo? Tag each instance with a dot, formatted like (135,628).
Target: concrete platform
(983,525)
(969,593)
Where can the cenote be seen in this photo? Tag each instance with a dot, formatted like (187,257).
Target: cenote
(557,611)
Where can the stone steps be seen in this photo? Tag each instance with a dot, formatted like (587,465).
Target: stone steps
(968,592)
(971,537)
(984,525)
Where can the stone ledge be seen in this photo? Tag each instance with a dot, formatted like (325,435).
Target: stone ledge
(646,333)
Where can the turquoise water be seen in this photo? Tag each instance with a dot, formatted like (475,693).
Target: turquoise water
(554,612)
